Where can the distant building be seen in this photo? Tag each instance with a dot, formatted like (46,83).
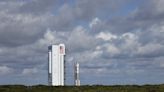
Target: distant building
(76,73)
(56,76)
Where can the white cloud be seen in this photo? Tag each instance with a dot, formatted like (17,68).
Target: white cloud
(157,29)
(129,35)
(80,40)
(106,36)
(113,50)
(161,64)
(29,71)
(159,5)
(150,49)
(94,22)
(5,70)
(130,42)
(49,37)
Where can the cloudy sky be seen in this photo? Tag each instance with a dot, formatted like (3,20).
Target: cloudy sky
(115,41)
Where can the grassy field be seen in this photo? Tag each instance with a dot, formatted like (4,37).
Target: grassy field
(98,88)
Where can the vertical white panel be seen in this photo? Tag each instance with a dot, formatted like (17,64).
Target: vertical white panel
(49,62)
(49,66)
(59,67)
(62,53)
(62,69)
(55,66)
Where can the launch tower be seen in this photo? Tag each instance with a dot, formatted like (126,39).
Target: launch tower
(56,65)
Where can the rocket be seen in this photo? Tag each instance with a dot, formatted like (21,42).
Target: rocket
(76,73)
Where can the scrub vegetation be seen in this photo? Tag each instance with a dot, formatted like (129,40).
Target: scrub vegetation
(94,88)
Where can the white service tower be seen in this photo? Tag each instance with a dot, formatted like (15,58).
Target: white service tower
(76,73)
(56,65)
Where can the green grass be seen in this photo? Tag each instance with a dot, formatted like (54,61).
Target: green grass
(98,88)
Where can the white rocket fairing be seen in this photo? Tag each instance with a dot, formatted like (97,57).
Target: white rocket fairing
(56,64)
